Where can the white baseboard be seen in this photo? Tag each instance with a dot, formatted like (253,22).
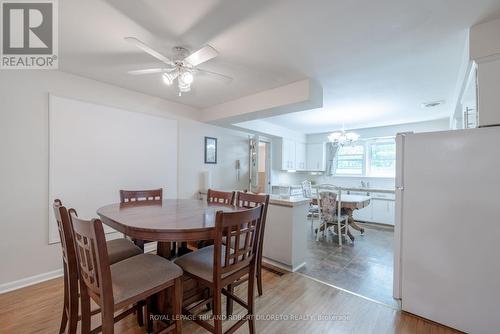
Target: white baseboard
(24,282)
(283,266)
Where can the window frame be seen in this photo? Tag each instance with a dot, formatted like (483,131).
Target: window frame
(363,161)
(367,151)
(370,144)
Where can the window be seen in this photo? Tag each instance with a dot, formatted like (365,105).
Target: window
(382,159)
(371,158)
(350,160)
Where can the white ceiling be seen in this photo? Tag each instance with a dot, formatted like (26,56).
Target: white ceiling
(376,60)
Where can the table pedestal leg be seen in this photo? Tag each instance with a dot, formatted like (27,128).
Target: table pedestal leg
(192,291)
(183,249)
(352,222)
(164,249)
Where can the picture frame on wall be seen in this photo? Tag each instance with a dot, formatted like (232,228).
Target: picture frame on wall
(210,150)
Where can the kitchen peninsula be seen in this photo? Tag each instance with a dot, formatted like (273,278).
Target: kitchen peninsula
(285,236)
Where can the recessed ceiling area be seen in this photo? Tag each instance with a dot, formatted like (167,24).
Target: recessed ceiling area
(377,61)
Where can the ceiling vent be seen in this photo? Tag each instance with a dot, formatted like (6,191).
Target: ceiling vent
(432,104)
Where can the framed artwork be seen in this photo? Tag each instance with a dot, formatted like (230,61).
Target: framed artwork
(210,150)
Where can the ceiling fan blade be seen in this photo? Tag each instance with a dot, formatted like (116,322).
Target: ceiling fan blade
(149,50)
(202,55)
(149,71)
(215,75)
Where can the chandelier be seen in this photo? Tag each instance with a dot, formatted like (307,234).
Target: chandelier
(342,137)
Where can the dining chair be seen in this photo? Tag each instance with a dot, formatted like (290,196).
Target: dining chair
(329,216)
(215,197)
(313,204)
(117,286)
(118,250)
(220,265)
(222,197)
(128,196)
(248,201)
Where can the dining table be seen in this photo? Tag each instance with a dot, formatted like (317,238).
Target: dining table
(166,221)
(351,202)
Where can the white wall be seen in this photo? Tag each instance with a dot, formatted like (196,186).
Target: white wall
(24,158)
(232,145)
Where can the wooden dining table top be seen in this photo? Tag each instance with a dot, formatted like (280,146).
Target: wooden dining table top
(354,202)
(167,220)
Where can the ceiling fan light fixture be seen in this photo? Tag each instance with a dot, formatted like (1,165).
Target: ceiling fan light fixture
(183,87)
(168,79)
(181,66)
(186,77)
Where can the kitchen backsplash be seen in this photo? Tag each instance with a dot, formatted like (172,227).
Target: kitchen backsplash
(285,178)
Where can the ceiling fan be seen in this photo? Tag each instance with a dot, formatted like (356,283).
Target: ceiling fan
(181,67)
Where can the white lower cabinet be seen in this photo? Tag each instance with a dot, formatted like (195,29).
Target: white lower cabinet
(364,214)
(380,210)
(383,211)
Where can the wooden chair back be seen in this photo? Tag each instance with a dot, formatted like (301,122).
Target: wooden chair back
(66,235)
(230,229)
(248,200)
(70,267)
(141,195)
(222,197)
(93,259)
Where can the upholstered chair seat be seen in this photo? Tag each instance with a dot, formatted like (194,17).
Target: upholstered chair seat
(121,249)
(201,263)
(141,273)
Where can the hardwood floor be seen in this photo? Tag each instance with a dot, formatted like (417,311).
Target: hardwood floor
(37,309)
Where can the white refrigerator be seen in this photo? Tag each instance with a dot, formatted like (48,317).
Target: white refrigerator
(447,232)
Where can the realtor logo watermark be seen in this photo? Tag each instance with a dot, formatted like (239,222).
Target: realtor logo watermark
(29,34)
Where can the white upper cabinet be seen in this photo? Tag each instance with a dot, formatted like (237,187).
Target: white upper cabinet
(316,157)
(300,156)
(288,154)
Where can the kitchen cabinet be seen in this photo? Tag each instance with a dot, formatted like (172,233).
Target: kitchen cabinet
(288,154)
(380,210)
(315,157)
(364,214)
(383,211)
(300,156)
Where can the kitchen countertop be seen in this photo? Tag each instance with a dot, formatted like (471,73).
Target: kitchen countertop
(288,201)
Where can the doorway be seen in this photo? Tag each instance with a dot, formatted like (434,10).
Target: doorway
(260,165)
